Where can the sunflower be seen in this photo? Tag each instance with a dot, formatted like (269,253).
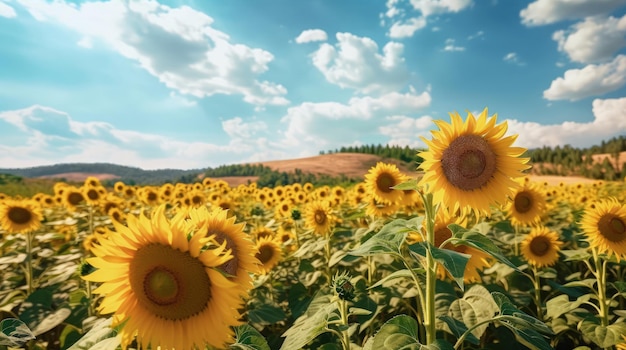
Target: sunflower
(622,345)
(119,187)
(92,181)
(605,227)
(268,253)
(318,217)
(163,284)
(20,216)
(72,198)
(527,206)
(471,164)
(93,194)
(541,247)
(218,224)
(376,209)
(379,181)
(149,195)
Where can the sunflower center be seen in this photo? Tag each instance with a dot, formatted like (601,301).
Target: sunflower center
(523,202)
(612,228)
(19,215)
(161,286)
(265,254)
(469,162)
(384,182)
(93,194)
(168,283)
(319,217)
(441,235)
(75,198)
(539,246)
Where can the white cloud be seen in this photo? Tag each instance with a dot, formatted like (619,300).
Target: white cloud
(176,45)
(7,11)
(354,62)
(592,80)
(433,7)
(478,34)
(608,122)
(315,126)
(541,12)
(407,28)
(311,35)
(48,136)
(392,8)
(406,131)
(513,58)
(596,39)
(451,47)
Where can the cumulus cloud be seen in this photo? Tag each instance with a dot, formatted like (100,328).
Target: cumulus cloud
(40,135)
(513,58)
(541,12)
(406,131)
(592,80)
(314,126)
(176,45)
(450,47)
(608,121)
(405,29)
(596,39)
(7,11)
(355,62)
(311,35)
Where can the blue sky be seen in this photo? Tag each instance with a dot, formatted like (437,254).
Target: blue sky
(191,84)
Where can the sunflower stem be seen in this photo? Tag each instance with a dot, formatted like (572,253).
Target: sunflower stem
(601,279)
(29,262)
(537,287)
(343,311)
(370,267)
(327,255)
(431,272)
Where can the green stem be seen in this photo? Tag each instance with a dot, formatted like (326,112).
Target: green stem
(343,311)
(537,286)
(515,244)
(431,272)
(601,278)
(370,268)
(29,262)
(327,254)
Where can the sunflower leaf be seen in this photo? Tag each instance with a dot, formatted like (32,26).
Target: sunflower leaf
(14,333)
(480,242)
(561,304)
(603,336)
(408,185)
(389,239)
(248,338)
(457,328)
(527,330)
(396,277)
(399,332)
(312,323)
(476,306)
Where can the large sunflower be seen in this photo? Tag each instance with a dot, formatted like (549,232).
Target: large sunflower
(164,285)
(268,253)
(319,218)
(541,247)
(605,227)
(223,228)
(18,216)
(380,180)
(527,206)
(471,164)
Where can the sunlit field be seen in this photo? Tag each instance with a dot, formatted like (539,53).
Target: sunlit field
(466,253)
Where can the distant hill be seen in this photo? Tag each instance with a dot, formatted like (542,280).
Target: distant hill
(103,171)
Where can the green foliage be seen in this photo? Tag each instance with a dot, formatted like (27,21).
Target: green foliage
(405,154)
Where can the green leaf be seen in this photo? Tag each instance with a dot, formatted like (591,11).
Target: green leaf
(576,255)
(561,304)
(525,328)
(52,320)
(399,333)
(457,328)
(313,323)
(454,262)
(248,338)
(479,241)
(602,336)
(389,239)
(100,336)
(265,313)
(476,306)
(396,277)
(14,333)
(408,185)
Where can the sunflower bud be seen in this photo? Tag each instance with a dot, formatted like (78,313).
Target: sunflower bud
(343,286)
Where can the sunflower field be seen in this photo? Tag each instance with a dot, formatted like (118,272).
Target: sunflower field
(467,253)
